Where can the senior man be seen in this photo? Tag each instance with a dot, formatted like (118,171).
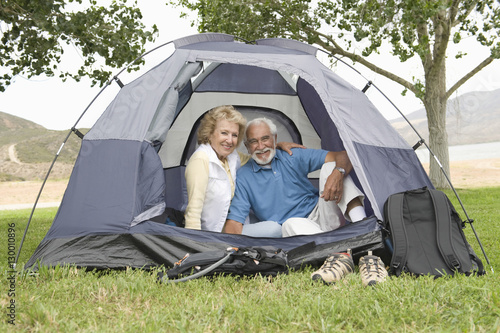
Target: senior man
(275,186)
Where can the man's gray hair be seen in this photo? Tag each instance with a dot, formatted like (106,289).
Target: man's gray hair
(268,122)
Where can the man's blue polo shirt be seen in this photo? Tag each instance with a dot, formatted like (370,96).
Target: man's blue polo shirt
(280,192)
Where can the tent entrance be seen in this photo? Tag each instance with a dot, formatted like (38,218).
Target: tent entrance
(175,191)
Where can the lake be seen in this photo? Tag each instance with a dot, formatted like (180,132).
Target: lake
(477,151)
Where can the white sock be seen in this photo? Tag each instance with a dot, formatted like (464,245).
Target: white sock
(357,213)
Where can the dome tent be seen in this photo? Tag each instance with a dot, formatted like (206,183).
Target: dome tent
(132,161)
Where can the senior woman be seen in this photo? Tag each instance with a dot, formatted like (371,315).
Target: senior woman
(211,170)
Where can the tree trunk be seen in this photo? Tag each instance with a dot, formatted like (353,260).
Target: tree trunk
(435,106)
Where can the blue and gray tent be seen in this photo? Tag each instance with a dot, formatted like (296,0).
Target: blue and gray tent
(131,164)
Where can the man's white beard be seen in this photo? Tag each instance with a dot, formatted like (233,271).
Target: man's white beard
(266,160)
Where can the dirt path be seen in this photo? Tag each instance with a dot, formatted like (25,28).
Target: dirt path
(464,174)
(13,155)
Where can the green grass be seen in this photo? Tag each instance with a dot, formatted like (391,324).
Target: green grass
(67,299)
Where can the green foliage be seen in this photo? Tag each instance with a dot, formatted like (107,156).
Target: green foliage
(65,298)
(34,34)
(253,20)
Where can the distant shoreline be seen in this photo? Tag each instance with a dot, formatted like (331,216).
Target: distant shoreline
(477,151)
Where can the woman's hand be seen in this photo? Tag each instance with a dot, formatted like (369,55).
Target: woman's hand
(287,146)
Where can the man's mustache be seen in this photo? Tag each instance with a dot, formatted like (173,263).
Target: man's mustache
(261,151)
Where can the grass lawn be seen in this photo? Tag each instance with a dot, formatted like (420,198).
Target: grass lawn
(67,299)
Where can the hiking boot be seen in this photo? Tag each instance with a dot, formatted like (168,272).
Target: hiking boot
(372,270)
(335,268)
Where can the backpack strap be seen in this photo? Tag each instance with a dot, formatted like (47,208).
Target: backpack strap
(398,232)
(444,229)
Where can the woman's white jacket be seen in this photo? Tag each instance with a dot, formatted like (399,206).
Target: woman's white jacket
(218,194)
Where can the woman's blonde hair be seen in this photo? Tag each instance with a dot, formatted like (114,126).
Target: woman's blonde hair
(209,121)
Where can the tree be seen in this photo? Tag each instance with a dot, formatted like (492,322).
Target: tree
(423,28)
(35,33)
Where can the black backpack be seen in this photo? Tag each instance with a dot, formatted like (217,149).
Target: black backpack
(264,260)
(424,233)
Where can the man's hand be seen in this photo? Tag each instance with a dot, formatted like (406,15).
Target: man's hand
(287,146)
(232,227)
(333,187)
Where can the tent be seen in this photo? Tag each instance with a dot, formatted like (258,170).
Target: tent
(132,161)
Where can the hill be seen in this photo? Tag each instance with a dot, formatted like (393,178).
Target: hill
(27,149)
(470,118)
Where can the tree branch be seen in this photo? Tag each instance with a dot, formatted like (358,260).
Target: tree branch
(14,9)
(336,47)
(442,29)
(465,78)
(453,15)
(337,50)
(423,31)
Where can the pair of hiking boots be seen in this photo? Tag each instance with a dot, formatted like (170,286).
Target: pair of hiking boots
(338,265)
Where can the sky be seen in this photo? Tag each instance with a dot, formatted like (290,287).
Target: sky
(58,105)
